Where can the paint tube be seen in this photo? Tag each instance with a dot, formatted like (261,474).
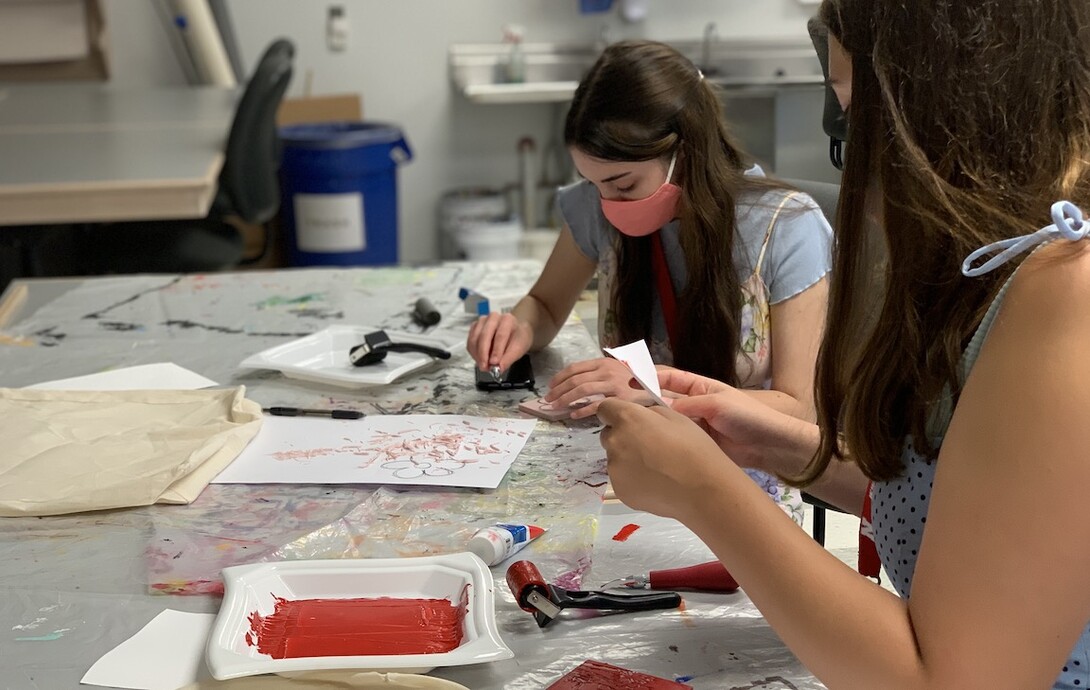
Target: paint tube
(497,543)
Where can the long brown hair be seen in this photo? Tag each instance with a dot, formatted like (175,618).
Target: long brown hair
(973,116)
(643,100)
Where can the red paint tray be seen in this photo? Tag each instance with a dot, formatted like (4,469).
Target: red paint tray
(251,589)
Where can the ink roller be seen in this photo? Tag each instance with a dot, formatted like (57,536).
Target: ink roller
(547,601)
(377,343)
(425,313)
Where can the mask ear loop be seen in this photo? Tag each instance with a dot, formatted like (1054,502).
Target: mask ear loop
(670,170)
(1067,222)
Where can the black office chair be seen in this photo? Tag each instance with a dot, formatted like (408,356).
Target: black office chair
(248,189)
(826,194)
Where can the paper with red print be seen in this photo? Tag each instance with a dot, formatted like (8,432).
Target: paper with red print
(433,450)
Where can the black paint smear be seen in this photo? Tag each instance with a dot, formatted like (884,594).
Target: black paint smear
(318,314)
(119,326)
(187,324)
(128,300)
(50,337)
(439,391)
(593,486)
(769,682)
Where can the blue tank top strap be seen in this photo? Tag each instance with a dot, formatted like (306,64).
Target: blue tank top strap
(1067,223)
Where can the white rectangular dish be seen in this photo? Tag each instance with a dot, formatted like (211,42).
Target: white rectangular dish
(254,588)
(322,357)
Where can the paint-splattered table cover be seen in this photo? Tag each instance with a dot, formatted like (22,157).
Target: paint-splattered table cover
(75,586)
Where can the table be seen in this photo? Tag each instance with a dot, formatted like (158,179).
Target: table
(89,153)
(73,587)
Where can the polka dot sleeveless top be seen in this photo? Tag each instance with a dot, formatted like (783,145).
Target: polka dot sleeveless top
(900,514)
(899,519)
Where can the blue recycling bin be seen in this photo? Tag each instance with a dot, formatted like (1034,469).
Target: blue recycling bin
(339,192)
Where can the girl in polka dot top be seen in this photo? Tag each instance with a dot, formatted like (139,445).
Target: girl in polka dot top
(953,381)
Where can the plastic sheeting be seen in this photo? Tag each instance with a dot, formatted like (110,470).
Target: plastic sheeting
(73,587)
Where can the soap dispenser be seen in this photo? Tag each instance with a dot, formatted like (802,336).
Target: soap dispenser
(515,72)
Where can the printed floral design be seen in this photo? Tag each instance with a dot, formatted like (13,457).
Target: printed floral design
(755,332)
(788,498)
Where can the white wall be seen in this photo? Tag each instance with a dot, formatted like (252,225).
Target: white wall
(140,53)
(397,59)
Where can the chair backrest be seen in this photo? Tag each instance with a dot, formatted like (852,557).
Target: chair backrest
(826,194)
(248,184)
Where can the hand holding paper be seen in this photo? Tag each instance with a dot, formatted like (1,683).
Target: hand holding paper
(637,358)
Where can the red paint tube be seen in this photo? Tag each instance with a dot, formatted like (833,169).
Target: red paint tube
(497,543)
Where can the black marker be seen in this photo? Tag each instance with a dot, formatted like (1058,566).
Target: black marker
(302,412)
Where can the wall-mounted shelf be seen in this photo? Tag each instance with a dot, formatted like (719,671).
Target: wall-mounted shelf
(552,71)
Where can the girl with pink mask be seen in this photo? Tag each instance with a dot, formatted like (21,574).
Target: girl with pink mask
(720,269)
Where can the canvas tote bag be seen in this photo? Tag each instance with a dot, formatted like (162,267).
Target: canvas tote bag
(73,451)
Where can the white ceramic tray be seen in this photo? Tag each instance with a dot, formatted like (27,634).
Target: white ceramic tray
(322,357)
(250,588)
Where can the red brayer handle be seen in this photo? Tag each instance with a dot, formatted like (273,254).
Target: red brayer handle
(706,577)
(523,577)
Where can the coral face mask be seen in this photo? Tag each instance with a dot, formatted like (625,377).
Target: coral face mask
(641,217)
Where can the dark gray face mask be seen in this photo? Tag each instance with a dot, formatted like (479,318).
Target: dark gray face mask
(834,121)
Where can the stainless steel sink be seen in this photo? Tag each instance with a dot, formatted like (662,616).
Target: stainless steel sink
(554,70)
(755,64)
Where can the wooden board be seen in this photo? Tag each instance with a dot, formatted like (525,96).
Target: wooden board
(11,301)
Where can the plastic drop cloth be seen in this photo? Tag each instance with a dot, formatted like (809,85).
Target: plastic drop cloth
(564,498)
(330,680)
(75,451)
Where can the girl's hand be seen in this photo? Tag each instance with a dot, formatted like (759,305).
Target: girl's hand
(592,378)
(498,340)
(658,459)
(681,383)
(745,429)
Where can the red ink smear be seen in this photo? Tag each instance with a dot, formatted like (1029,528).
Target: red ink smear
(595,675)
(358,627)
(625,532)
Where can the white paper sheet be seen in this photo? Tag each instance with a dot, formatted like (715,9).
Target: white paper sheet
(161,376)
(637,358)
(433,450)
(166,654)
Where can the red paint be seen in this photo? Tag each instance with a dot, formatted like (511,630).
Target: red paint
(625,532)
(595,675)
(524,579)
(358,627)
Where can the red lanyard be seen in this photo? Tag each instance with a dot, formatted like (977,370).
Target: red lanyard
(665,288)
